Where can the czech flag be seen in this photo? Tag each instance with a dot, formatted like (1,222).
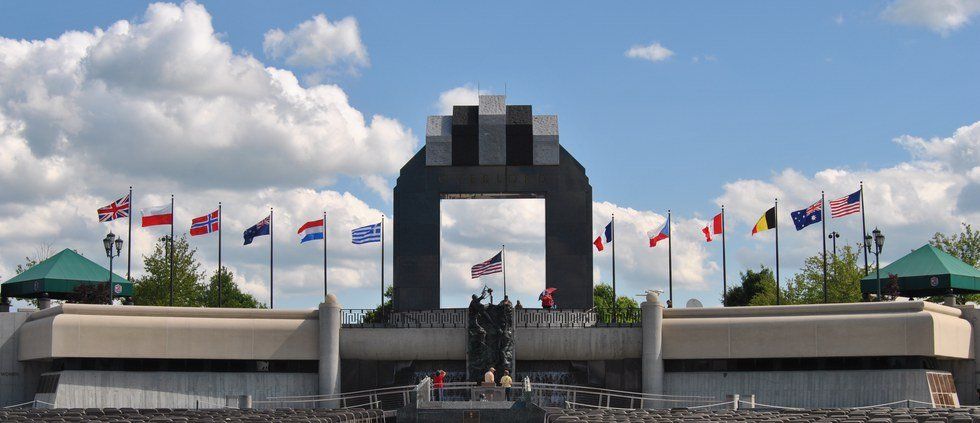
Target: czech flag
(660,235)
(311,230)
(609,238)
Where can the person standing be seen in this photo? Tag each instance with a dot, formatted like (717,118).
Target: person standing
(506,382)
(489,379)
(437,383)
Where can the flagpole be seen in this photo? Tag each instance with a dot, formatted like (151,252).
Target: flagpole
(382,260)
(724,269)
(171,250)
(324,256)
(775,220)
(864,231)
(220,225)
(613,233)
(272,289)
(129,248)
(503,265)
(823,220)
(670,264)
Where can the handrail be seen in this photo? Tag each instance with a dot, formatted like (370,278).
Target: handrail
(559,387)
(328,396)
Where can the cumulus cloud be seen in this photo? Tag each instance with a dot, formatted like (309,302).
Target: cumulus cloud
(164,104)
(473,231)
(318,44)
(933,191)
(458,96)
(653,52)
(942,16)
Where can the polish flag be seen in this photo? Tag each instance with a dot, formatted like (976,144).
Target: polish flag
(160,215)
(715,228)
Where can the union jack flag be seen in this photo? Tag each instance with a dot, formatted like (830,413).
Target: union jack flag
(116,210)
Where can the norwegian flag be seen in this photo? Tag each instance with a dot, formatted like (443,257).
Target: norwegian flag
(206,224)
(117,210)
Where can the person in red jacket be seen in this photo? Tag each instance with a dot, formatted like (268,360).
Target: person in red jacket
(437,383)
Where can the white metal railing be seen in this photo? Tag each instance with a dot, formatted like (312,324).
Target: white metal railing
(383,398)
(33,404)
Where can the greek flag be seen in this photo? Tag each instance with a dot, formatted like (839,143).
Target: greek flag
(366,234)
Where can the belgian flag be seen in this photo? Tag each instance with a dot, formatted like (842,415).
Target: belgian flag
(766,222)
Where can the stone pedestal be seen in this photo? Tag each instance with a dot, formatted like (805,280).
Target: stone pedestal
(652,360)
(329,349)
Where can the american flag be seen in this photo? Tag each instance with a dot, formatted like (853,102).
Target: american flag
(206,224)
(118,209)
(846,205)
(494,265)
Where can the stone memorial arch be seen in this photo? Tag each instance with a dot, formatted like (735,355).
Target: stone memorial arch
(492,150)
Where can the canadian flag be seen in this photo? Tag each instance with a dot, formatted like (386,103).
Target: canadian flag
(159,215)
(715,228)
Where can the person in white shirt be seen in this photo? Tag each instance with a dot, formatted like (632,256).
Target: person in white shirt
(488,377)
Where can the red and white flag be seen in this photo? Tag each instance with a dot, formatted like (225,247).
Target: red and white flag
(206,224)
(714,228)
(160,215)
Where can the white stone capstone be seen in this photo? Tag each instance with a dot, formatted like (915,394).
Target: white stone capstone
(439,141)
(545,150)
(493,105)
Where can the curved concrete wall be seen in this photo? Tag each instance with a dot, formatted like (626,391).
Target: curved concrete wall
(75,330)
(835,330)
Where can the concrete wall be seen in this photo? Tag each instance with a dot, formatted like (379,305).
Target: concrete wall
(806,389)
(403,344)
(18,380)
(86,389)
(77,330)
(834,330)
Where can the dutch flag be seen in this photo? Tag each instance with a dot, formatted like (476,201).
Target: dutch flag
(310,231)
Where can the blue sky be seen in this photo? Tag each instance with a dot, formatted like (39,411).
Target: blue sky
(752,89)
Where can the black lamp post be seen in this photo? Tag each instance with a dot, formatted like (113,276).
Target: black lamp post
(109,242)
(878,239)
(833,239)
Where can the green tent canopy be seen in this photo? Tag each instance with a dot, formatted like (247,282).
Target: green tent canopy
(59,275)
(925,272)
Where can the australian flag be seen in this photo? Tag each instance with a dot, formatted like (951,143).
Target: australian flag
(259,229)
(808,216)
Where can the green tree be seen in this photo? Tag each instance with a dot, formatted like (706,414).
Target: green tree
(231,295)
(153,288)
(380,313)
(754,283)
(602,297)
(843,279)
(964,246)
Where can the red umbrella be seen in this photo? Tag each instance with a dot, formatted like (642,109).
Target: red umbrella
(547,292)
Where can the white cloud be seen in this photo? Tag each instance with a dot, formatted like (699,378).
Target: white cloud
(653,52)
(936,191)
(474,229)
(942,16)
(164,104)
(458,96)
(318,44)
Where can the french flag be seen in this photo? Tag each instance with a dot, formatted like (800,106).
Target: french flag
(609,238)
(311,230)
(660,235)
